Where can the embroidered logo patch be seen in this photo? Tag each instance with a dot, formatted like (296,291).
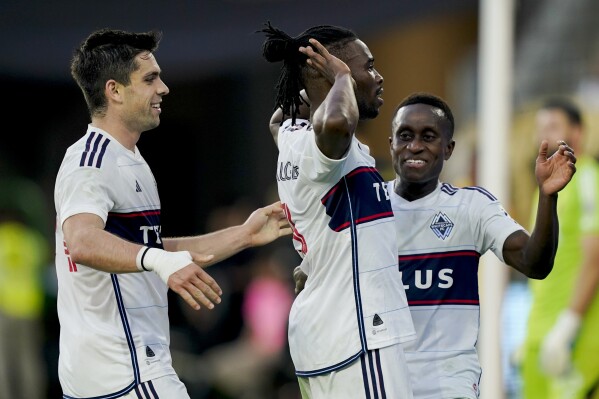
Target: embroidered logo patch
(441,225)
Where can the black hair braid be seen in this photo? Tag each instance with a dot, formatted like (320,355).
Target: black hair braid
(279,46)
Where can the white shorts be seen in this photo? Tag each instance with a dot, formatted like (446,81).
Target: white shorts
(169,386)
(379,373)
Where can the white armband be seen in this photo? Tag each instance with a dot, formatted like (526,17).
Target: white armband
(161,262)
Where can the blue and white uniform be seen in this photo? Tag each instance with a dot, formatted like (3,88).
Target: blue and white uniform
(114,327)
(343,228)
(447,232)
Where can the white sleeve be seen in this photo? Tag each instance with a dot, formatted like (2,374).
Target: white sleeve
(298,142)
(83,190)
(494,225)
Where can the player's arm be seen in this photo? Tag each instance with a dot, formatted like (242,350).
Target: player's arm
(336,118)
(263,226)
(89,244)
(534,255)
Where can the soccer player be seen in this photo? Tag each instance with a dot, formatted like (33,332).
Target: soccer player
(114,268)
(346,326)
(562,343)
(450,228)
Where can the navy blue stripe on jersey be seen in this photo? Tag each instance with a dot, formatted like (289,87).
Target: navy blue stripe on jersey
(372,375)
(326,370)
(365,377)
(114,395)
(126,327)
(364,184)
(375,391)
(483,192)
(451,190)
(102,152)
(146,388)
(141,227)
(377,354)
(91,149)
(355,265)
(446,278)
(151,386)
(448,189)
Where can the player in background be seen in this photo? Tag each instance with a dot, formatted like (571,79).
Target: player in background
(561,349)
(114,268)
(346,326)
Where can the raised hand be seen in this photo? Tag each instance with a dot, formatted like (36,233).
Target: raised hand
(324,62)
(555,172)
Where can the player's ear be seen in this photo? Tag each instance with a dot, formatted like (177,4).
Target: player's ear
(449,149)
(113,90)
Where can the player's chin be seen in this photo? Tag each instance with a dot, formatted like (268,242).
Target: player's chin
(369,113)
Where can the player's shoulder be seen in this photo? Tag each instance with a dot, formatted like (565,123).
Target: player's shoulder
(300,124)
(472,193)
(94,150)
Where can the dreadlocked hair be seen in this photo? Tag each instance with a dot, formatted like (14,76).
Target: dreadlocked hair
(279,46)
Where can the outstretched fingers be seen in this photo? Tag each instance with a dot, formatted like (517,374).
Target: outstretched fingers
(555,172)
(196,287)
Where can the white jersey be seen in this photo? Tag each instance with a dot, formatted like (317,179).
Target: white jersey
(114,327)
(343,228)
(449,230)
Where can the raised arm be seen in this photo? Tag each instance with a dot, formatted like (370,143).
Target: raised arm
(335,119)
(534,255)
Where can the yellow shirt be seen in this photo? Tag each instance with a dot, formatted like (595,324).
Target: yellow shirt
(22,255)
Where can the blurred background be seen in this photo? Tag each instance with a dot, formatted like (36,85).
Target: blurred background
(214,159)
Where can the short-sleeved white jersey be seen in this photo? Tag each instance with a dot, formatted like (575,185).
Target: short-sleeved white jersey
(343,228)
(114,327)
(444,235)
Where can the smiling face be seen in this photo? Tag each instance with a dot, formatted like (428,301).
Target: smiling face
(143,95)
(419,145)
(369,83)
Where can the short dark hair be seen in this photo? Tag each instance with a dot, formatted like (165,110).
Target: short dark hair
(433,101)
(565,105)
(108,54)
(279,46)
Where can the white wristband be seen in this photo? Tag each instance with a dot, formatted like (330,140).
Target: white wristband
(139,259)
(161,262)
